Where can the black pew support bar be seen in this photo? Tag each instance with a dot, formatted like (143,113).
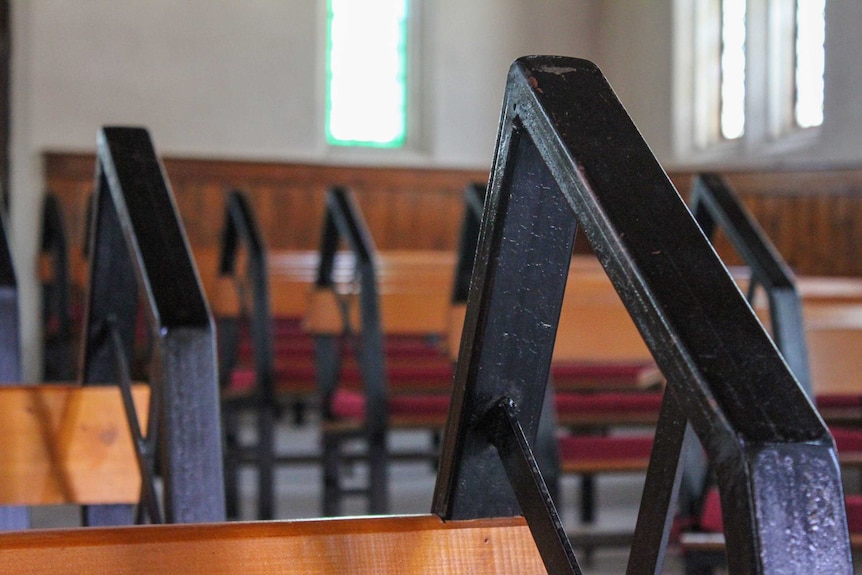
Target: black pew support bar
(137,244)
(567,155)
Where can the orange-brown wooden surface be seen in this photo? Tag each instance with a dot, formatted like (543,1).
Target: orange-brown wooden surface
(605,465)
(415,545)
(814,216)
(67,444)
(594,325)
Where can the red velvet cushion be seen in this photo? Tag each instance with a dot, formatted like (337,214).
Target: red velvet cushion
(242,379)
(597,370)
(601,448)
(853,504)
(847,439)
(351,405)
(834,400)
(710,518)
(569,403)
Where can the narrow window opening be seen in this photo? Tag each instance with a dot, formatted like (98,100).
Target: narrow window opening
(810,58)
(732,69)
(366,73)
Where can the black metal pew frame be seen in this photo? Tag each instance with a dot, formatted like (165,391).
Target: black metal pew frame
(568,155)
(343,221)
(137,246)
(138,249)
(715,206)
(240,231)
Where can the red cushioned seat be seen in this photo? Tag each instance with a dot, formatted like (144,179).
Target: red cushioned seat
(581,448)
(846,439)
(295,379)
(597,370)
(351,405)
(833,400)
(853,505)
(242,380)
(613,402)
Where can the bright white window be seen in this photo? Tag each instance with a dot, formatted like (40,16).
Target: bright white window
(810,62)
(366,66)
(732,69)
(753,74)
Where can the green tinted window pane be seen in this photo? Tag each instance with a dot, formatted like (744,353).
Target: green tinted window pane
(366,88)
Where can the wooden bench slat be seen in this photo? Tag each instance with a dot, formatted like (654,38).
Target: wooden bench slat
(379,545)
(67,444)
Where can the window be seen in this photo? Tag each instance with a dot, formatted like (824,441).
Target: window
(755,75)
(732,69)
(809,62)
(366,73)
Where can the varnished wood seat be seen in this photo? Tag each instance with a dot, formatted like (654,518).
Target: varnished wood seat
(68,444)
(409,544)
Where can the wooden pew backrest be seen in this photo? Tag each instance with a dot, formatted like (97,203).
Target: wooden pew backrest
(66,444)
(594,325)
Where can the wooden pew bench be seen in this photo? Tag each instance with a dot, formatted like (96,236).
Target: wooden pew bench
(414,544)
(595,332)
(68,444)
(298,313)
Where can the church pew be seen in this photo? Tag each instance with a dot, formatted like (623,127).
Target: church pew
(589,302)
(414,544)
(88,443)
(357,317)
(590,306)
(476,481)
(567,155)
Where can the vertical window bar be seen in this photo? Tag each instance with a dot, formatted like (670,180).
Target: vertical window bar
(366,66)
(732,68)
(809,62)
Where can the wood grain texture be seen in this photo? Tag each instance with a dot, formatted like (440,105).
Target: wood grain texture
(415,545)
(813,215)
(67,444)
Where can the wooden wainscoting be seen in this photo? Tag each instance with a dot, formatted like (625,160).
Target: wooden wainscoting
(814,216)
(406,208)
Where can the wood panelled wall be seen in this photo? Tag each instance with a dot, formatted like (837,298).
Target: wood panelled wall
(813,216)
(405,208)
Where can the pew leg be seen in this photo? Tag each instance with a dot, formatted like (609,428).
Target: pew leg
(266,461)
(588,503)
(298,410)
(703,562)
(231,461)
(331,475)
(378,475)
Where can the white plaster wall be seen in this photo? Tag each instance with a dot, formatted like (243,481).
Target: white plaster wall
(635,52)
(243,79)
